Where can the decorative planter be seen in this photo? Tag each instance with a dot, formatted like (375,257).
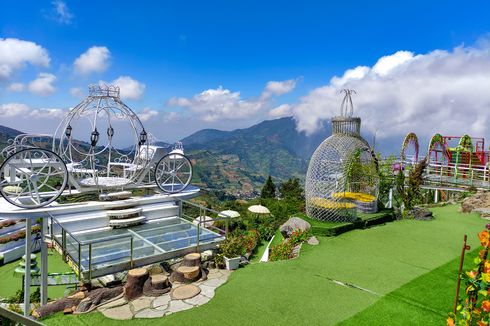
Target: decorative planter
(232,263)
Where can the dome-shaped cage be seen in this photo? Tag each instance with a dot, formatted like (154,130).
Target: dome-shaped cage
(342,176)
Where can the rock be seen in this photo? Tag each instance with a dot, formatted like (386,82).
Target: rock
(206,255)
(185,292)
(421,214)
(294,223)
(479,200)
(207,291)
(120,313)
(150,313)
(178,305)
(198,300)
(142,303)
(155,269)
(161,301)
(313,241)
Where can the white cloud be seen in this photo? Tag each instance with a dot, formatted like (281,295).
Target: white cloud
(9,110)
(95,59)
(222,104)
(441,91)
(43,84)
(147,114)
(15,54)
(171,116)
(129,87)
(15,87)
(76,92)
(279,87)
(61,13)
(47,113)
(283,110)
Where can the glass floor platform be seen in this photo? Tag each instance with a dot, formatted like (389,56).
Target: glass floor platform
(108,251)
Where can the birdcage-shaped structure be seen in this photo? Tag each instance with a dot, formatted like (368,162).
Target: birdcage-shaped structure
(342,177)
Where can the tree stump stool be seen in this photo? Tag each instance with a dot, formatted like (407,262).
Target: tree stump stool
(135,283)
(193,259)
(159,281)
(186,274)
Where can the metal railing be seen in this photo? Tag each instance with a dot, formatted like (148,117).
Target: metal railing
(202,222)
(80,245)
(18,318)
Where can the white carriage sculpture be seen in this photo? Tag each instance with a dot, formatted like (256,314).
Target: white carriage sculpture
(40,168)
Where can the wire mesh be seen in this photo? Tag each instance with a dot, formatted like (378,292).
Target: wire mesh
(342,176)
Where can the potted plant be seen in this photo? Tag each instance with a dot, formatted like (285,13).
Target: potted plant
(233,248)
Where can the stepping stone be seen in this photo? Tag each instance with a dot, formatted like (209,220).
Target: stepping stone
(161,301)
(215,274)
(215,282)
(313,241)
(198,300)
(150,313)
(116,303)
(178,305)
(207,290)
(185,292)
(141,303)
(119,313)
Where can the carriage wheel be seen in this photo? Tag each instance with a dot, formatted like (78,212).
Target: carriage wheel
(173,173)
(33,178)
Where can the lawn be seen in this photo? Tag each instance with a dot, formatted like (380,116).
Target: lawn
(402,273)
(9,284)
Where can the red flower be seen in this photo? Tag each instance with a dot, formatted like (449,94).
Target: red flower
(486,305)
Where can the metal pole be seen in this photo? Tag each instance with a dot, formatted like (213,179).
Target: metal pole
(27,278)
(461,261)
(44,263)
(131,252)
(63,244)
(79,261)
(90,262)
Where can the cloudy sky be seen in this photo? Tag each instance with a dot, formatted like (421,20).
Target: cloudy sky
(416,66)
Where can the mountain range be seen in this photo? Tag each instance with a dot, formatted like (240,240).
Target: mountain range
(236,163)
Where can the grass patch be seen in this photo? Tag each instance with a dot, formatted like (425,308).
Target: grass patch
(408,256)
(9,284)
(424,301)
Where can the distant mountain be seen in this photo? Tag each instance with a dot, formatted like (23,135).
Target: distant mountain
(238,161)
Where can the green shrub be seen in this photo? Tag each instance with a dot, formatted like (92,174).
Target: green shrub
(281,252)
(298,236)
(233,246)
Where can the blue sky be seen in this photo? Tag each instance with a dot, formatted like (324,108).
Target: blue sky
(180,49)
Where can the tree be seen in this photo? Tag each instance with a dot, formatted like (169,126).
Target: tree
(269,189)
(291,189)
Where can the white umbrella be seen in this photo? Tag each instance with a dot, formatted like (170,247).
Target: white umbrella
(207,220)
(229,213)
(259,209)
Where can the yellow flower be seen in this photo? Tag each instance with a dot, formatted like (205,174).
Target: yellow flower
(484,238)
(450,321)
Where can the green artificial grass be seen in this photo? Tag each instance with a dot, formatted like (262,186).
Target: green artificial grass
(404,265)
(9,284)
(427,300)
(278,238)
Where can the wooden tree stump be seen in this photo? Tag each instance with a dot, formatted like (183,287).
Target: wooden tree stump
(135,282)
(159,281)
(186,274)
(193,259)
(156,285)
(56,306)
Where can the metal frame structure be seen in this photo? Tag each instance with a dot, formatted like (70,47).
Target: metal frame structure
(342,176)
(39,168)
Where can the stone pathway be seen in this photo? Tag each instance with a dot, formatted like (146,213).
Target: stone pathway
(157,307)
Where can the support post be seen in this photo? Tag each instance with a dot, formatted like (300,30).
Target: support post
(79,261)
(390,198)
(44,262)
(461,261)
(131,253)
(27,277)
(436,196)
(90,262)
(63,244)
